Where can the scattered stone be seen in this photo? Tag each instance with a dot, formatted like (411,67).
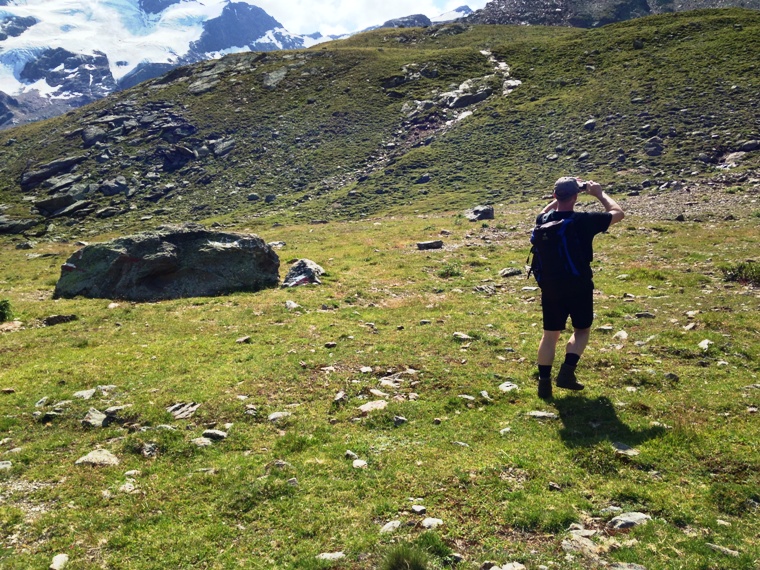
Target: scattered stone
(510,272)
(183,411)
(723,550)
(96,419)
(84,394)
(8,391)
(505,431)
(542,415)
(359,464)
(627,566)
(202,442)
(5,465)
(508,387)
(59,562)
(293,482)
(626,521)
(277,416)
(620,335)
(480,213)
(373,406)
(419,509)
(129,488)
(390,527)
(331,556)
(590,125)
(435,244)
(291,305)
(581,545)
(331,344)
(98,457)
(623,449)
(513,566)
(611,510)
(425,322)
(351,455)
(644,315)
(244,340)
(705,344)
(215,434)
(303,272)
(399,421)
(58,320)
(462,336)
(431,523)
(605,328)
(340,398)
(41,402)
(149,450)
(461,443)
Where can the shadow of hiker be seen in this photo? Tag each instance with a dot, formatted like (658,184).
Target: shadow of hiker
(587,422)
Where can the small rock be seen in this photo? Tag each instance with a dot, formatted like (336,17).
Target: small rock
(435,244)
(399,421)
(340,397)
(542,415)
(85,394)
(431,523)
(202,442)
(627,566)
(419,509)
(277,416)
(41,402)
(513,566)
(581,545)
(149,450)
(182,411)
(390,527)
(705,344)
(215,434)
(627,521)
(330,556)
(331,344)
(5,465)
(293,482)
(59,562)
(359,464)
(620,335)
(723,550)
(365,369)
(351,455)
(98,457)
(425,322)
(508,387)
(244,340)
(505,431)
(510,272)
(644,315)
(95,418)
(554,486)
(623,449)
(373,406)
(462,336)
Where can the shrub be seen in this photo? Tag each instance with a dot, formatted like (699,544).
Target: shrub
(404,557)
(6,313)
(450,270)
(743,272)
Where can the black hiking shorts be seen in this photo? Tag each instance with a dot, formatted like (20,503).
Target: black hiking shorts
(568,300)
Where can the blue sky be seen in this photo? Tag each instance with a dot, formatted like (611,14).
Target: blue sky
(343,16)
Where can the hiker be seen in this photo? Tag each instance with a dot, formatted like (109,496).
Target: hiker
(562,255)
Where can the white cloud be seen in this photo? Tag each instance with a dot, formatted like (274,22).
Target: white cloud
(344,16)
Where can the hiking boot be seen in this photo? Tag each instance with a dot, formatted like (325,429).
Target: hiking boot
(545,388)
(566,378)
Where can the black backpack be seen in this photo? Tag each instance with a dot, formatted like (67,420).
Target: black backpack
(556,250)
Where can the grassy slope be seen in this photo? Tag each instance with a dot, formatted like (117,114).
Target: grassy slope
(493,495)
(309,139)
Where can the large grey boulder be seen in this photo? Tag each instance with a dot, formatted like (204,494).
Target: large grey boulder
(169,263)
(12,226)
(480,213)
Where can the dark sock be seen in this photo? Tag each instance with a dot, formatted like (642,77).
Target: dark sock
(572,359)
(545,371)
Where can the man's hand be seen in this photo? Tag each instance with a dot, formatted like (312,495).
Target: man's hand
(594,189)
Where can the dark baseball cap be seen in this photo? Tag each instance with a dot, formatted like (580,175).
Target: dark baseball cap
(566,187)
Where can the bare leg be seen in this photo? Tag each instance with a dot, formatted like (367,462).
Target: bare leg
(548,346)
(577,343)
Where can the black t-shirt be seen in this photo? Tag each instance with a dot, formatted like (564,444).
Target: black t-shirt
(587,225)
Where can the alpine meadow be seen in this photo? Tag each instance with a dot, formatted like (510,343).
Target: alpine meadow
(387,417)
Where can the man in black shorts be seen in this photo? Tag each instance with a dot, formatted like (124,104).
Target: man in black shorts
(571,297)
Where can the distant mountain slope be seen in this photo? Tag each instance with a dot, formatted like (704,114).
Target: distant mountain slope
(589,13)
(435,118)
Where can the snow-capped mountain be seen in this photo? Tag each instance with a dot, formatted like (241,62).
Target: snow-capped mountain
(454,14)
(58,54)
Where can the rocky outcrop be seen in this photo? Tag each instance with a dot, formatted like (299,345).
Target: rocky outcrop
(170,263)
(588,13)
(89,76)
(414,21)
(32,178)
(12,226)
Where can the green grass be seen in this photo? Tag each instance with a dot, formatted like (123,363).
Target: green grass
(231,505)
